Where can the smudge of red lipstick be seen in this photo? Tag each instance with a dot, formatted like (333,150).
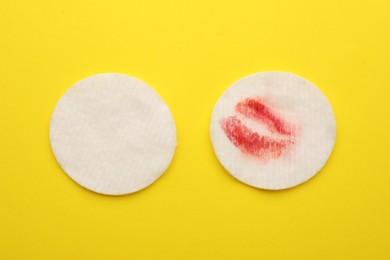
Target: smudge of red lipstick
(255,109)
(250,142)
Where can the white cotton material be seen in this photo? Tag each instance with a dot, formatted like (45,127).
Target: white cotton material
(302,104)
(113,134)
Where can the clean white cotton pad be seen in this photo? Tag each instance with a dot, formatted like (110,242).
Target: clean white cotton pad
(113,134)
(273,130)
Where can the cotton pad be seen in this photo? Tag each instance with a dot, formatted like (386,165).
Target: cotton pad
(113,134)
(273,130)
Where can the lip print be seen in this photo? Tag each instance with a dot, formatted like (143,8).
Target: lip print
(252,143)
(272,130)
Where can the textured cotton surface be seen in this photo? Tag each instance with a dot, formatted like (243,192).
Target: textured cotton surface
(273,130)
(112,134)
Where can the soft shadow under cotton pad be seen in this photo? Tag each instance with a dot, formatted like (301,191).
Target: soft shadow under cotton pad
(113,134)
(273,130)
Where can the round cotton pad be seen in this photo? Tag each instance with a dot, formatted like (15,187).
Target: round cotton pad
(273,130)
(112,134)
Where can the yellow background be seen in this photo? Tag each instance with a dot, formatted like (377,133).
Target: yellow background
(190,52)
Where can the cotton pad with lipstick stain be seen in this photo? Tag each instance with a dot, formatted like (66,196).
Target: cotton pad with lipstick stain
(113,134)
(273,130)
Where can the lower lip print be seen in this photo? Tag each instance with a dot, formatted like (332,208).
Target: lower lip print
(250,142)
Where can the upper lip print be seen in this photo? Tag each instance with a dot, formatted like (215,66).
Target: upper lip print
(265,147)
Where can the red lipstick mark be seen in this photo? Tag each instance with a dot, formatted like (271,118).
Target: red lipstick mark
(250,142)
(255,109)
